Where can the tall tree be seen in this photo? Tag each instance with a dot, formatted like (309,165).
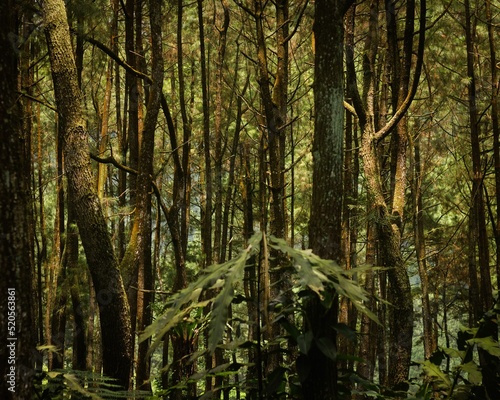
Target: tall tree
(103,265)
(430,344)
(477,220)
(496,128)
(478,215)
(16,313)
(326,206)
(137,260)
(388,212)
(273,97)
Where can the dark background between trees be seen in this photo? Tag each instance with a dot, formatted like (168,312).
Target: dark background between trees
(146,144)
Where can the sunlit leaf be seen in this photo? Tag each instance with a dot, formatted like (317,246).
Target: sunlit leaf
(488,344)
(434,372)
(454,353)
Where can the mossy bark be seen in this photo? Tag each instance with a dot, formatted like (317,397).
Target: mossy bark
(113,306)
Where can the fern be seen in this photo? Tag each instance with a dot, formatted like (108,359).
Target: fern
(317,274)
(234,275)
(218,276)
(467,374)
(323,277)
(68,383)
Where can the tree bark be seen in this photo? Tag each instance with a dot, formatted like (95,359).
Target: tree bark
(103,265)
(388,212)
(16,307)
(320,381)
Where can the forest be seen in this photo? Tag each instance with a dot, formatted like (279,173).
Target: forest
(249,199)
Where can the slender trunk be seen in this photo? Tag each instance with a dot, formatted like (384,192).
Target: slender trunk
(102,169)
(274,103)
(250,281)
(218,154)
(52,268)
(231,178)
(184,176)
(348,313)
(178,216)
(72,269)
(488,363)
(42,252)
(418,227)
(137,259)
(218,162)
(120,132)
(477,201)
(496,129)
(368,330)
(132,88)
(58,317)
(209,255)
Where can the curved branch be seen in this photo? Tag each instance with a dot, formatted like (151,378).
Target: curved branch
(351,81)
(36,99)
(383,132)
(113,161)
(146,78)
(117,59)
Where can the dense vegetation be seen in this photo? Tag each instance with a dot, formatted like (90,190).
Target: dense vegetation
(244,199)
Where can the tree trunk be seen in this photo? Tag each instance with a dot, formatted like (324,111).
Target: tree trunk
(496,130)
(274,104)
(16,306)
(72,270)
(478,207)
(325,235)
(103,266)
(388,233)
(489,364)
(132,88)
(418,228)
(58,317)
(137,259)
(388,212)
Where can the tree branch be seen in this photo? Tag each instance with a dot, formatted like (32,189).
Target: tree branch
(113,161)
(146,78)
(383,132)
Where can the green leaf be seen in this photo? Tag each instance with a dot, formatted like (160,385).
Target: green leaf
(304,342)
(327,347)
(223,300)
(488,344)
(346,331)
(289,327)
(435,373)
(318,275)
(276,381)
(474,374)
(454,353)
(219,317)
(225,276)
